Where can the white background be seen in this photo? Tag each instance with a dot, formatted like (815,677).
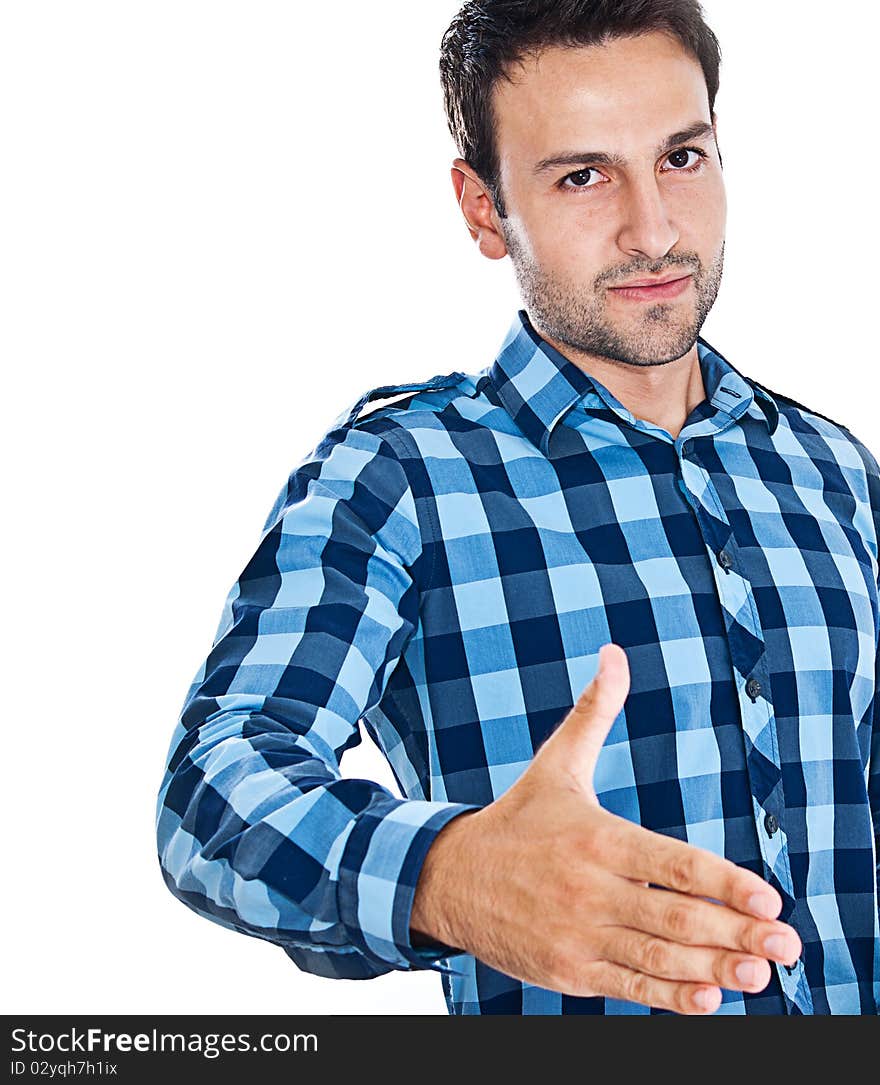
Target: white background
(222,222)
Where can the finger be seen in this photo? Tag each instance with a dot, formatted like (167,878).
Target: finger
(611,980)
(584,730)
(669,960)
(691,921)
(643,855)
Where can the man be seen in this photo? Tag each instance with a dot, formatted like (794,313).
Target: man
(608,606)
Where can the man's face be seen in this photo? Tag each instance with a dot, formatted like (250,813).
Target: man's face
(578,229)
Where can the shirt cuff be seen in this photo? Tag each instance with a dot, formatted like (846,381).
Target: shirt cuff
(380,867)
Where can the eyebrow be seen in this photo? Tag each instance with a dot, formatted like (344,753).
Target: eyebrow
(698,130)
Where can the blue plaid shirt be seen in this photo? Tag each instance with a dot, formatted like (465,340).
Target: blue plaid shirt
(445,569)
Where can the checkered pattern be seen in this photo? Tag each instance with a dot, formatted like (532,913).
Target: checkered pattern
(446,568)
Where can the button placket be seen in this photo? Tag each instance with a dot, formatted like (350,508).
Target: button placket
(747,647)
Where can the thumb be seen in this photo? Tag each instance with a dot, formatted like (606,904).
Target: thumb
(580,736)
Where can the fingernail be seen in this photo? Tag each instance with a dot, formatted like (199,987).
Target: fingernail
(776,945)
(747,973)
(761,905)
(705,999)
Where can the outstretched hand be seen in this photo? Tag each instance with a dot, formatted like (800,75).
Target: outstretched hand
(548,887)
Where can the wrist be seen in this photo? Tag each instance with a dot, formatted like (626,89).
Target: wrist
(436,915)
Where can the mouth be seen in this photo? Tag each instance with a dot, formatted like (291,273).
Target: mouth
(672,288)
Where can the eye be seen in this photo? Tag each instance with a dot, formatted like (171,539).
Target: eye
(579,179)
(583,179)
(679,160)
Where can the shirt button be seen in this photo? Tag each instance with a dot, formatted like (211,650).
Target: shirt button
(771,824)
(725,560)
(753,688)
(686,448)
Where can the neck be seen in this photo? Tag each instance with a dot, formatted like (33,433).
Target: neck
(661,394)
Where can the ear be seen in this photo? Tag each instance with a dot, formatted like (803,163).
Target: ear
(478,210)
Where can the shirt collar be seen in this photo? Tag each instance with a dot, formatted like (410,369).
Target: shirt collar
(538,385)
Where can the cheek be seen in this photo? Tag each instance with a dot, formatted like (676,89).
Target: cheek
(703,216)
(581,255)
(573,239)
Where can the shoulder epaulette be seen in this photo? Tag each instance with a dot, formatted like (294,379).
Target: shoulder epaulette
(392,391)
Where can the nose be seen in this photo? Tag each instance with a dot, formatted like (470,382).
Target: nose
(647,228)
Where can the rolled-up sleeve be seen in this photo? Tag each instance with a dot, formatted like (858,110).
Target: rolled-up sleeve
(257,829)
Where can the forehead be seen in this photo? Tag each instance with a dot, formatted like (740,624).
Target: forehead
(620,95)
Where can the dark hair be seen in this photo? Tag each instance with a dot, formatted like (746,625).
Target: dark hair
(488,37)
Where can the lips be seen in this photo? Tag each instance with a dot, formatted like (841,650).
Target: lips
(659,291)
(651,282)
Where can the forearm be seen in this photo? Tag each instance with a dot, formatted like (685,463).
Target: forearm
(259,833)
